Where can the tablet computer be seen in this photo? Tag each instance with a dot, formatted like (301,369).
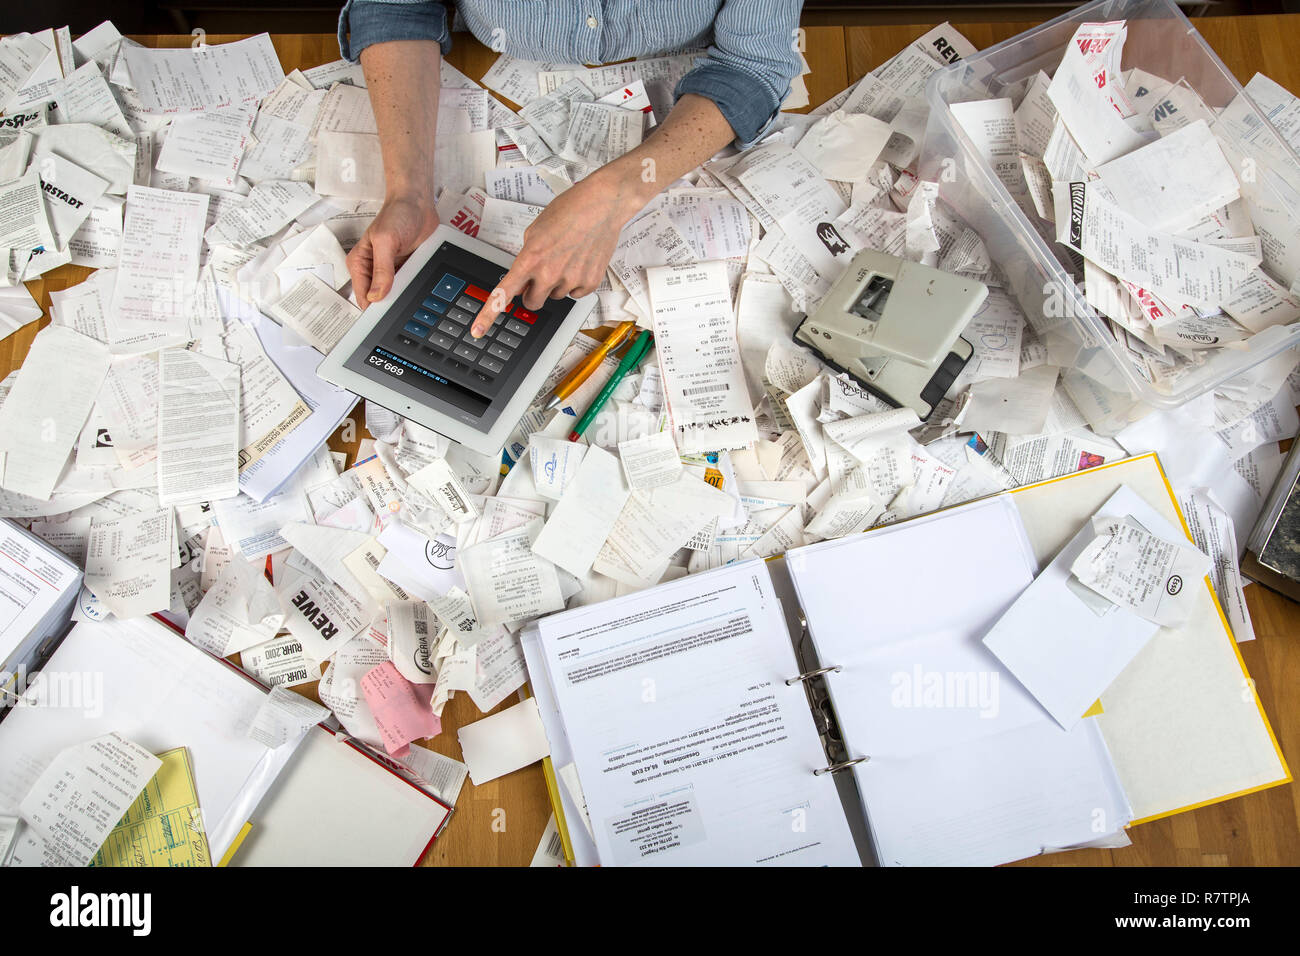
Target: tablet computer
(412,351)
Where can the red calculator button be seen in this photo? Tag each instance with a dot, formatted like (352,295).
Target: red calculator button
(477,293)
(525,316)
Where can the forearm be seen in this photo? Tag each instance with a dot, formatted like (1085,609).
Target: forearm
(403,79)
(568,246)
(692,132)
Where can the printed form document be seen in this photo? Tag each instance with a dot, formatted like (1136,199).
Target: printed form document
(691,747)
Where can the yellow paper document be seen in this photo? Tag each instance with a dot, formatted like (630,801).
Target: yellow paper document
(163,827)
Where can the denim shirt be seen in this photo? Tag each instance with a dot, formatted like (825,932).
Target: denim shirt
(746,71)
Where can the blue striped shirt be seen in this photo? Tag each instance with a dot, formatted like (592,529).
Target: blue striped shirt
(750,60)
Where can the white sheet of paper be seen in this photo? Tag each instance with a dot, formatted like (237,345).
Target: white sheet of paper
(653,671)
(318,314)
(522,184)
(655,524)
(1054,641)
(504,742)
(105,154)
(844,145)
(599,133)
(349,165)
(991,125)
(198,428)
(585,515)
(555,462)
(328,404)
(1018,405)
(651,240)
(97,243)
(650,461)
(61,377)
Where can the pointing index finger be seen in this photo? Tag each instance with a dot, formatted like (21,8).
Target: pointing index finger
(497,301)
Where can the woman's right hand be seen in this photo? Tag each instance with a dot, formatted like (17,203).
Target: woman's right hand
(402,224)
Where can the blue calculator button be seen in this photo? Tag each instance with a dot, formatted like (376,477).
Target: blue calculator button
(416,329)
(448,287)
(433,305)
(425,316)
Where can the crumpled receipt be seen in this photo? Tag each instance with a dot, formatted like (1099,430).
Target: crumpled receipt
(1154,578)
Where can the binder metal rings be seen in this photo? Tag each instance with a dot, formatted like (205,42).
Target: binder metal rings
(837,767)
(817,673)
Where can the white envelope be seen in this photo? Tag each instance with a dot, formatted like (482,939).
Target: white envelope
(1055,644)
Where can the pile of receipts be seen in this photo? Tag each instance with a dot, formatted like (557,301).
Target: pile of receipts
(168,432)
(1175,231)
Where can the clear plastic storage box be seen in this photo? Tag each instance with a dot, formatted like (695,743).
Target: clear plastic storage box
(1097,370)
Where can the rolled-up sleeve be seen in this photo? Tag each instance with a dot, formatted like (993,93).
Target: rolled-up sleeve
(364,22)
(748,69)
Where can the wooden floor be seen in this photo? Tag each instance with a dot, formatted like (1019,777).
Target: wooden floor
(502,821)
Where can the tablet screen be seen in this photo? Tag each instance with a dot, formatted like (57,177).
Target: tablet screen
(422,347)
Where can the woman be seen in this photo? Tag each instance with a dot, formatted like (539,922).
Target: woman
(733,93)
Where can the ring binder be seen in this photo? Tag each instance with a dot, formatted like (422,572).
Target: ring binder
(809,675)
(842,765)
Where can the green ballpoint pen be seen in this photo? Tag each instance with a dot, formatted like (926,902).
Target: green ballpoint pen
(630,361)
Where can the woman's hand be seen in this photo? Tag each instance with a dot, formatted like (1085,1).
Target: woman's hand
(567,247)
(402,224)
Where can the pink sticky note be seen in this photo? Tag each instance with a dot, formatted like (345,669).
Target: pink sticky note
(401,709)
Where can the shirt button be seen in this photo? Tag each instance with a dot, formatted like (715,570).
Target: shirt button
(591,22)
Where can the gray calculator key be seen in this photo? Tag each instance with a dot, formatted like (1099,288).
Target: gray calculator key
(517,327)
(469,305)
(443,341)
(473,342)
(451,328)
(508,340)
(491,364)
(499,352)
(465,352)
(460,315)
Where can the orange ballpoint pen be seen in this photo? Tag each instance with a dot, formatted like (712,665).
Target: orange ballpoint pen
(588,365)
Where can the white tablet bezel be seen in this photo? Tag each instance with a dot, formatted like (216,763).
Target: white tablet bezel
(487,442)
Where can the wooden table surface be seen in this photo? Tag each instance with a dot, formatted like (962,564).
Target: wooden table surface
(502,821)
